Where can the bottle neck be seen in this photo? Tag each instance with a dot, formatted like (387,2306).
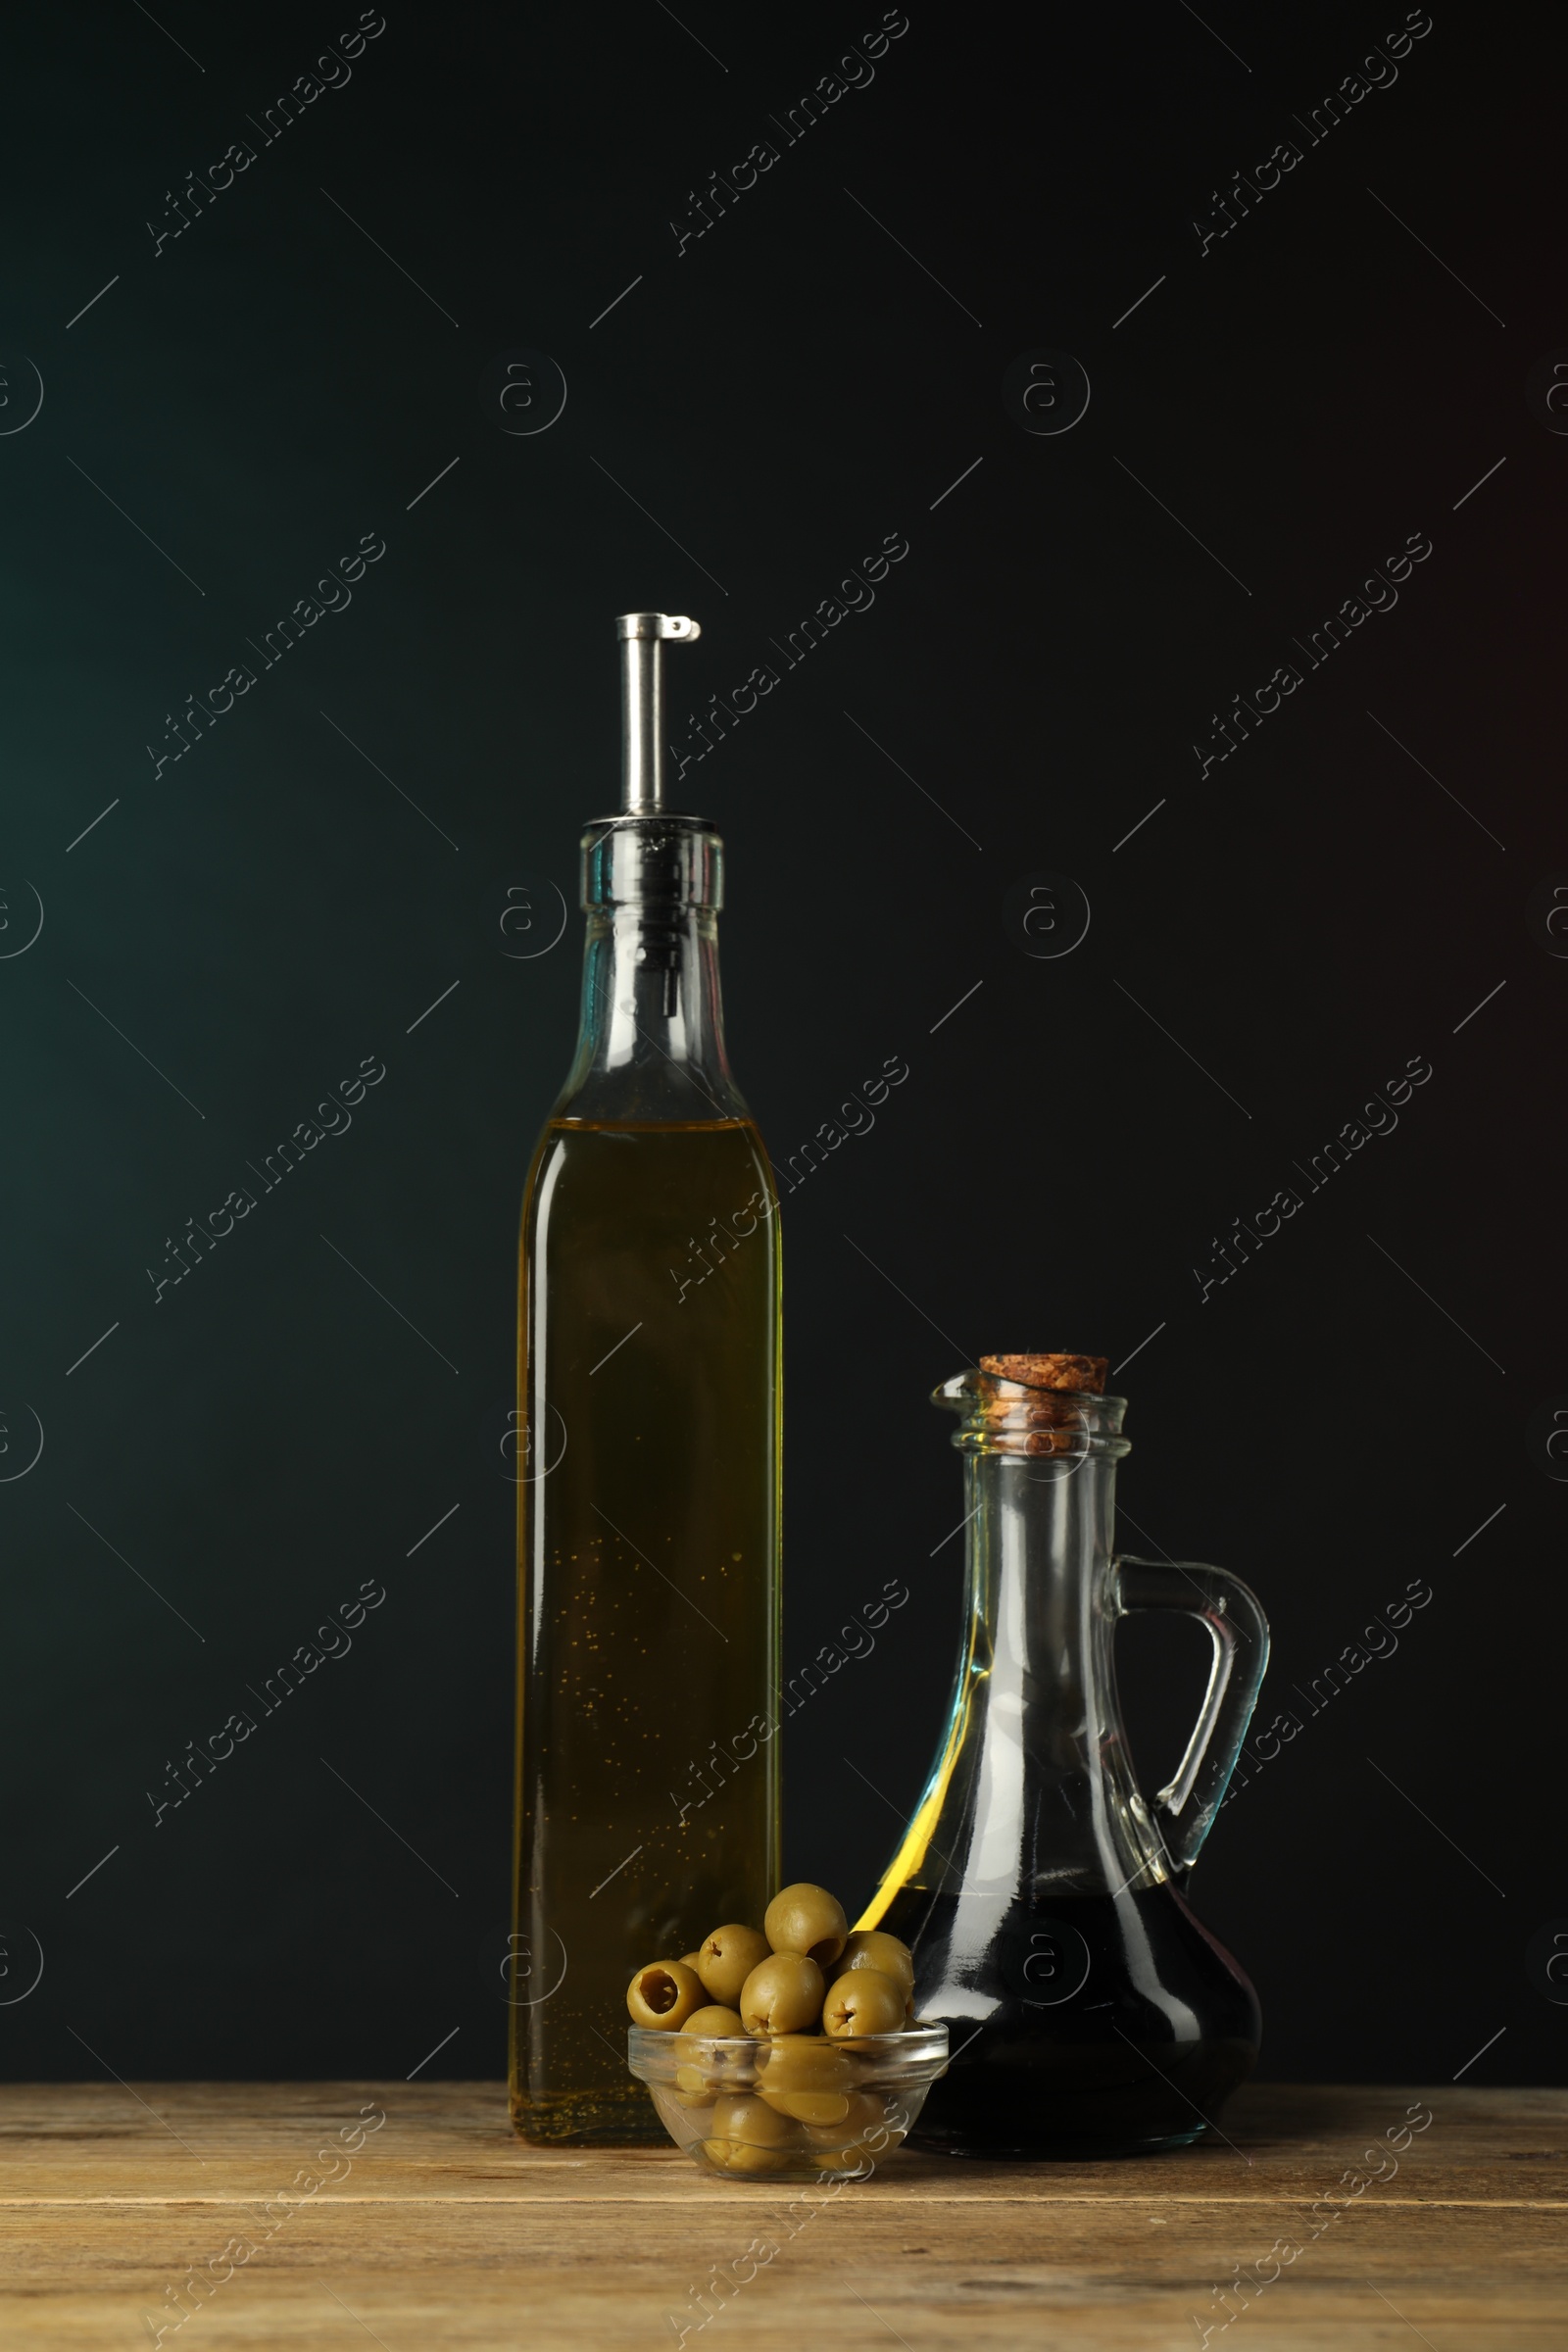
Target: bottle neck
(1040,1794)
(651,1045)
(1039,1559)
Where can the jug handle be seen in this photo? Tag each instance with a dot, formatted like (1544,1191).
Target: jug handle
(1185,1808)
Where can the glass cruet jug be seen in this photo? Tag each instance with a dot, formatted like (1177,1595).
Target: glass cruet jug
(1089,2012)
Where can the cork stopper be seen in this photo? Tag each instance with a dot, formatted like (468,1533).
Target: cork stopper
(1080,1375)
(1025,1407)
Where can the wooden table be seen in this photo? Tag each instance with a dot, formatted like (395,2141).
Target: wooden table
(440,2227)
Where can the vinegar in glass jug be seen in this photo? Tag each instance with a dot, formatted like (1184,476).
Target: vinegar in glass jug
(1089,2012)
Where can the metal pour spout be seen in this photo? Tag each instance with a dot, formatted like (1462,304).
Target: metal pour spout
(642,704)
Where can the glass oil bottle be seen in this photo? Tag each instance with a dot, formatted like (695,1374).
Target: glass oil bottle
(648,1365)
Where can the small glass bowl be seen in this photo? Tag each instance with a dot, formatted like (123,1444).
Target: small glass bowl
(835,2109)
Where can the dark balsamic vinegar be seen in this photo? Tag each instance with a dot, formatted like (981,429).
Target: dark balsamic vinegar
(1107,2024)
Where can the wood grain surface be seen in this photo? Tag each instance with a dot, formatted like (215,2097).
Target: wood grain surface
(122,2209)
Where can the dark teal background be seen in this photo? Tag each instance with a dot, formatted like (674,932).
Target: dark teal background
(236,1460)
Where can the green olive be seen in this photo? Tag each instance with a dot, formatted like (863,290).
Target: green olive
(693,2087)
(727,1958)
(690,1960)
(714,2019)
(806,1919)
(843,2143)
(861,2156)
(810,2106)
(741,2116)
(782,1994)
(732,2156)
(863,2002)
(869,1948)
(803,2062)
(807,2077)
(699,2074)
(664,1994)
(749,2137)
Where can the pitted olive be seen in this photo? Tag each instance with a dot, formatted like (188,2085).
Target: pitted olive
(783,1995)
(807,2077)
(747,2135)
(664,1994)
(806,1919)
(870,1947)
(822,2107)
(715,2019)
(727,1958)
(861,2133)
(864,2002)
(803,2062)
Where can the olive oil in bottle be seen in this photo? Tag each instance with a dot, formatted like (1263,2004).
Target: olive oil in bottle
(648,1531)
